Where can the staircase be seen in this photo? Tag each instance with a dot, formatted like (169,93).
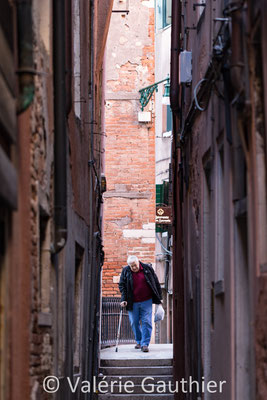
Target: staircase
(148,375)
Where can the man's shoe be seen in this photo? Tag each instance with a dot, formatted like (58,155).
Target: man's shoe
(137,346)
(145,349)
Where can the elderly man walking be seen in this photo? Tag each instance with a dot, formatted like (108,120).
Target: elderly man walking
(139,287)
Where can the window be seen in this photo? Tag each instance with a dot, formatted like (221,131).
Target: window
(162,193)
(166,120)
(163,13)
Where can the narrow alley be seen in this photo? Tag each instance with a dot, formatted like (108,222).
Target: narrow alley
(133,199)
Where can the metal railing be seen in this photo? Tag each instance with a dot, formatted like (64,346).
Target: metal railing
(110,322)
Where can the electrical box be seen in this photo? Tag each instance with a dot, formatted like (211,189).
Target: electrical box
(185,73)
(144,116)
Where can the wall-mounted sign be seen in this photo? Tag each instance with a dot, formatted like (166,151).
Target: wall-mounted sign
(164,215)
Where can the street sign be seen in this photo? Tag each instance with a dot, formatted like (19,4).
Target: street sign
(164,215)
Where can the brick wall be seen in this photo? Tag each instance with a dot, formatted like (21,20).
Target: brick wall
(129,203)
(41,200)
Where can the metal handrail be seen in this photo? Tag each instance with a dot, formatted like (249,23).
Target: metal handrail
(110,321)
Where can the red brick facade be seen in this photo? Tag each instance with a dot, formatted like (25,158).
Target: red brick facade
(129,204)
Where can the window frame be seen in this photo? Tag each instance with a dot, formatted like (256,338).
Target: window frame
(161,14)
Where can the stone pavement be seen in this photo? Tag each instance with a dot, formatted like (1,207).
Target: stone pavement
(128,352)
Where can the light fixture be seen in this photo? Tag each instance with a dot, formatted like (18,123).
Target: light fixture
(146,93)
(166,95)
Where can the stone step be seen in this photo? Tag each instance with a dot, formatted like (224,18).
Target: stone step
(141,389)
(137,379)
(147,371)
(109,396)
(142,362)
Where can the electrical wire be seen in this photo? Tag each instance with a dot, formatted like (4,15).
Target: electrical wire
(164,248)
(195,94)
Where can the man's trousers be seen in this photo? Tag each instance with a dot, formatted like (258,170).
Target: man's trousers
(141,321)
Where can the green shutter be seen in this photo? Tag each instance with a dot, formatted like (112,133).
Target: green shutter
(159,194)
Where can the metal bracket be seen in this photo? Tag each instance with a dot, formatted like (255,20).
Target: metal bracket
(221,19)
(146,95)
(148,91)
(190,28)
(121,11)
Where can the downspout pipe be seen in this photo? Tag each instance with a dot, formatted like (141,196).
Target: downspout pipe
(178,271)
(263,50)
(68,49)
(175,51)
(60,127)
(237,58)
(93,351)
(25,69)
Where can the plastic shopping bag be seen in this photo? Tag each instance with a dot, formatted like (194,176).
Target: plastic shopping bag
(159,313)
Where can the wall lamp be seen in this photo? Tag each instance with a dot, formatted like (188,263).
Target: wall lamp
(146,93)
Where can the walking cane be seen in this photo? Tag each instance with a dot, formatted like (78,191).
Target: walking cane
(119,328)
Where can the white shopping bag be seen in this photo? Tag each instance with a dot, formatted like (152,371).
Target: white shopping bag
(159,313)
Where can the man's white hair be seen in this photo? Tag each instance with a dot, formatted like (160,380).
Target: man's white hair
(132,259)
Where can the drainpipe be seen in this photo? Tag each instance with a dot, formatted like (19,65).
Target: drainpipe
(93,352)
(178,272)
(175,51)
(103,165)
(198,323)
(25,69)
(237,59)
(103,120)
(60,138)
(68,47)
(263,50)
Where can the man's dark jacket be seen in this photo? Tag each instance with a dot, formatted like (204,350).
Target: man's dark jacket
(126,285)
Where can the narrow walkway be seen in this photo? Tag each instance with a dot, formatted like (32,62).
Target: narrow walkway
(132,374)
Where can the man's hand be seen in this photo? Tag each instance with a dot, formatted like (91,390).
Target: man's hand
(123,304)
(161,301)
